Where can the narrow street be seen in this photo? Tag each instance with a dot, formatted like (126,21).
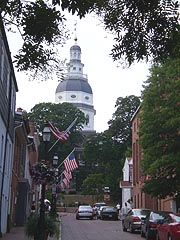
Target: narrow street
(93,229)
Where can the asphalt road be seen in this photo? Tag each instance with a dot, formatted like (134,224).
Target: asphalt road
(72,229)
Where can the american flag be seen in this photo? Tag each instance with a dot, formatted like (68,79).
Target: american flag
(66,182)
(67,175)
(70,162)
(62,136)
(61,186)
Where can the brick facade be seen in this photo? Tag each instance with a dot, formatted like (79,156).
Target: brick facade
(140,199)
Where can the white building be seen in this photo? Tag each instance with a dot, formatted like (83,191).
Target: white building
(75,88)
(126,184)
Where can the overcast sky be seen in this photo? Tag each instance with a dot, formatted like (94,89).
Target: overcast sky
(107,79)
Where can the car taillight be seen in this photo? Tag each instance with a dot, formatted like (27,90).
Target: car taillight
(153,224)
(176,228)
(136,219)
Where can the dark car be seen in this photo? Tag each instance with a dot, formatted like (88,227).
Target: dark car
(132,220)
(169,227)
(97,207)
(150,222)
(85,212)
(110,213)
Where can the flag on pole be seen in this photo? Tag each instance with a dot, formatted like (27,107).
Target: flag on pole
(67,175)
(61,186)
(62,136)
(70,162)
(66,182)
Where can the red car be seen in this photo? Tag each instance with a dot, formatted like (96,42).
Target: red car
(169,228)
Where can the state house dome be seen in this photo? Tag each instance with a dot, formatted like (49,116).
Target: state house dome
(74,85)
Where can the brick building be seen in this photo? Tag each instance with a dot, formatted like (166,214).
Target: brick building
(140,199)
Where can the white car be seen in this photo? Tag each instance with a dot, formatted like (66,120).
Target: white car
(85,211)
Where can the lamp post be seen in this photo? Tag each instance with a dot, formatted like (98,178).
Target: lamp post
(46,139)
(55,170)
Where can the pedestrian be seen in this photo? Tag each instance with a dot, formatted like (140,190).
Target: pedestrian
(118,206)
(33,207)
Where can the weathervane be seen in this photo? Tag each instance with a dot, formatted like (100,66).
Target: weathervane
(75,31)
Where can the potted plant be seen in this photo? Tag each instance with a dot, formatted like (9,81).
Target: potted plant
(32,227)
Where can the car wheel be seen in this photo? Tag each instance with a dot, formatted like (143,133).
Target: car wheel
(148,237)
(157,236)
(130,228)
(124,228)
(77,218)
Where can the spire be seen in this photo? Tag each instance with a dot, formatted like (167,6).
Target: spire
(75,32)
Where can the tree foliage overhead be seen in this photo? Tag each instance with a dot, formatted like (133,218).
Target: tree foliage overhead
(42,27)
(142,29)
(160,129)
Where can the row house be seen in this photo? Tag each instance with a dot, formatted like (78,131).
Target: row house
(8,89)
(23,192)
(19,141)
(140,199)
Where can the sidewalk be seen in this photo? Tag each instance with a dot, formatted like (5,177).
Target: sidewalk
(18,233)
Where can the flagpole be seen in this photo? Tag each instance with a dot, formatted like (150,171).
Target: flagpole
(53,145)
(65,158)
(70,126)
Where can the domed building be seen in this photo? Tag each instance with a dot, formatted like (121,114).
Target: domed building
(75,88)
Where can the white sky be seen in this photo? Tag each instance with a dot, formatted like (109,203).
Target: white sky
(108,81)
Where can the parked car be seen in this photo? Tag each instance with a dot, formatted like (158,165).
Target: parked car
(169,227)
(99,211)
(99,204)
(85,211)
(150,222)
(97,207)
(109,213)
(132,220)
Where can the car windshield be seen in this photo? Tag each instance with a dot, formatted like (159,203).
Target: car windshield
(176,218)
(139,212)
(83,208)
(159,215)
(109,209)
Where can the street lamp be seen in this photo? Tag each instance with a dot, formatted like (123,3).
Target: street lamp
(56,172)
(46,139)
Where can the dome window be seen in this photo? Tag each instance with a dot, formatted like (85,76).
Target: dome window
(73,96)
(74,68)
(86,97)
(87,120)
(60,97)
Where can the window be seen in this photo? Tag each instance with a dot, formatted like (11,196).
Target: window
(87,120)
(73,96)
(86,97)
